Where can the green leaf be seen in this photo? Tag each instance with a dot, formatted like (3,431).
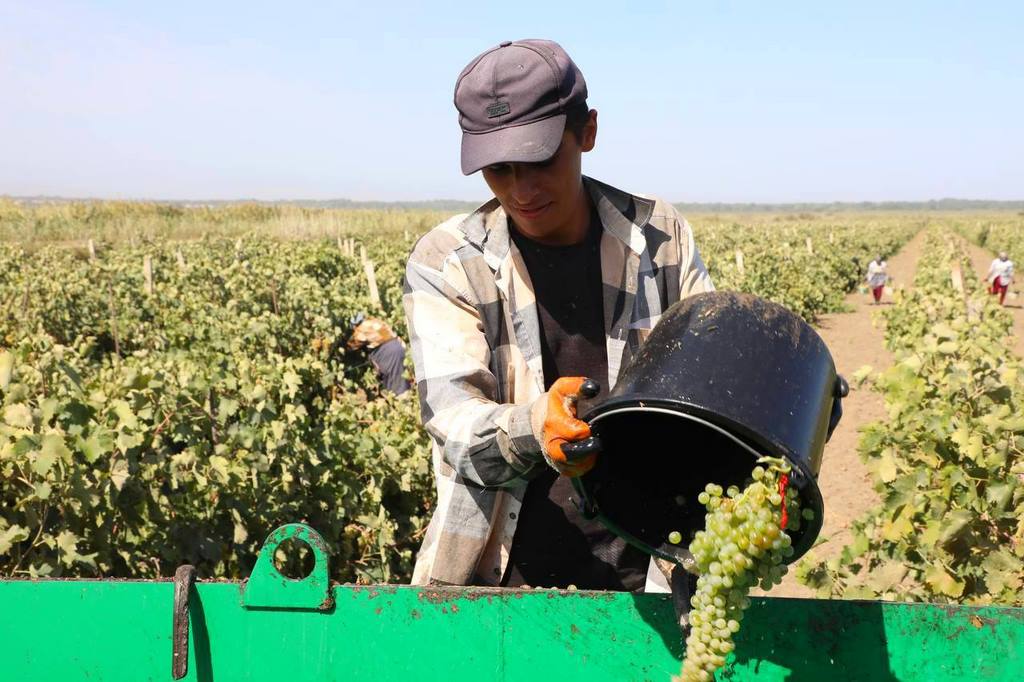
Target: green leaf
(887,466)
(899,527)
(955,522)
(932,532)
(24,445)
(119,473)
(997,455)
(999,495)
(43,462)
(861,375)
(240,534)
(974,448)
(42,490)
(961,437)
(125,414)
(11,536)
(1002,571)
(291,382)
(886,576)
(73,374)
(226,408)
(18,416)
(858,545)
(47,409)
(220,466)
(68,544)
(53,445)
(943,582)
(95,446)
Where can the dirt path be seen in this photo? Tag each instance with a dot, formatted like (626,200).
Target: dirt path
(980,260)
(855,339)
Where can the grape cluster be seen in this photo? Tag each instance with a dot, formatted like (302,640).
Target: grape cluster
(742,545)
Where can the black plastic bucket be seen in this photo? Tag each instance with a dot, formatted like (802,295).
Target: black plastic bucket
(723,379)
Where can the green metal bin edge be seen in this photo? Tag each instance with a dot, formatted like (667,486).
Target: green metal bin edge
(121,630)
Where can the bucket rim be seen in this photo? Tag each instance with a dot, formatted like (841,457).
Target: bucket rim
(800,476)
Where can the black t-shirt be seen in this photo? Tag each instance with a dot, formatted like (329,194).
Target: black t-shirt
(554,546)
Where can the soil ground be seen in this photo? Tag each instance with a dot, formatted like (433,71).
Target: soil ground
(855,339)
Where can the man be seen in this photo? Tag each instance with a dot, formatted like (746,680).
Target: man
(1000,274)
(557,278)
(384,349)
(877,277)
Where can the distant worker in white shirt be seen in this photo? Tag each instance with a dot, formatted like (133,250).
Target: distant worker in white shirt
(999,276)
(878,275)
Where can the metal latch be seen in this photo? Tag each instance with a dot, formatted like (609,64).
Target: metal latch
(184,579)
(265,588)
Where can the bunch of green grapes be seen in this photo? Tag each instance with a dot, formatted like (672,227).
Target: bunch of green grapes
(743,544)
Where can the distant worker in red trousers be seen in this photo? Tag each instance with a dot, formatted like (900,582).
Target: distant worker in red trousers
(877,276)
(999,276)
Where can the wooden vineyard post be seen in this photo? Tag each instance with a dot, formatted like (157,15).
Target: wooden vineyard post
(92,251)
(739,262)
(181,258)
(810,246)
(956,277)
(147,274)
(371,276)
(831,237)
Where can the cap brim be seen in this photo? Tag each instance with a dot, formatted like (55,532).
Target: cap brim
(529,143)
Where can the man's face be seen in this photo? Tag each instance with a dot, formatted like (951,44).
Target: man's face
(543,199)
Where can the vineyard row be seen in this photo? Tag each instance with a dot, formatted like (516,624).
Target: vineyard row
(947,462)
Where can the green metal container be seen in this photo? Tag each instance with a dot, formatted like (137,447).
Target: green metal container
(271,628)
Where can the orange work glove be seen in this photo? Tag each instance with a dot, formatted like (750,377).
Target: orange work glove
(561,426)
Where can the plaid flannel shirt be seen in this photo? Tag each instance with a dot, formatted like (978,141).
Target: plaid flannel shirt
(475,340)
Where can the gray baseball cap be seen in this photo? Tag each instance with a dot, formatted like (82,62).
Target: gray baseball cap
(512,101)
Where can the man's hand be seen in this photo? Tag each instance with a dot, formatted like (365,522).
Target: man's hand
(560,426)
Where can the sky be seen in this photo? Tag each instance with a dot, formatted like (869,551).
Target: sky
(698,101)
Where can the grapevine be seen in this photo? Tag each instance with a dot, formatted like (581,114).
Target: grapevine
(743,544)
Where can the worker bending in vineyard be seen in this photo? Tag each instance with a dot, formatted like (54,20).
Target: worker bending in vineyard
(557,278)
(877,277)
(1000,274)
(385,351)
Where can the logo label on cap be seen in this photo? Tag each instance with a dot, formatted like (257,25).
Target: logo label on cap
(498,109)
